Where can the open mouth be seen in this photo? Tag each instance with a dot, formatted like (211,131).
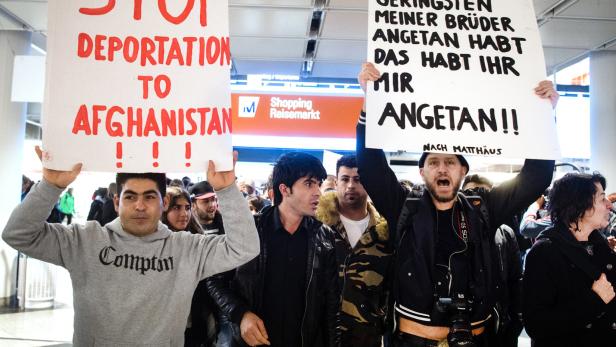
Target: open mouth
(351,196)
(443,182)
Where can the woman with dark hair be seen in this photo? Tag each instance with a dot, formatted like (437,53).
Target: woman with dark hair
(568,293)
(178,215)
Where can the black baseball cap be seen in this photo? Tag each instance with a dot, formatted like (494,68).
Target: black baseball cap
(422,160)
(202,190)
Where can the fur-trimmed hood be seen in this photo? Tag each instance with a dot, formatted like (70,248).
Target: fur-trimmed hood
(327,213)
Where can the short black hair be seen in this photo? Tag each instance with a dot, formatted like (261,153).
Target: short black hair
(477,179)
(159,178)
(292,166)
(573,195)
(349,160)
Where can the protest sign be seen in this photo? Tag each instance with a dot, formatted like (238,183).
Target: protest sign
(458,77)
(138,86)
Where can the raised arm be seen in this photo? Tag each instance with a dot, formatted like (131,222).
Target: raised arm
(376,176)
(27,230)
(517,194)
(240,243)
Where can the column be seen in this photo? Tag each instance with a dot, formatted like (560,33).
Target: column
(603,115)
(12,135)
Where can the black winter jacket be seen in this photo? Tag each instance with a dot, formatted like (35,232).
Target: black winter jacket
(509,288)
(560,308)
(414,287)
(321,317)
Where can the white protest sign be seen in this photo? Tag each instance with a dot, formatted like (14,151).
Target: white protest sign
(138,86)
(458,77)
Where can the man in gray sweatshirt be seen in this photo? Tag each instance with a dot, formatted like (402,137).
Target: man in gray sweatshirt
(133,279)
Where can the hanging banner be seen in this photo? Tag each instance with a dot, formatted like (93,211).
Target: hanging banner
(458,77)
(138,86)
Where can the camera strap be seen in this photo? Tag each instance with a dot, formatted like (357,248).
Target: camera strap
(463,226)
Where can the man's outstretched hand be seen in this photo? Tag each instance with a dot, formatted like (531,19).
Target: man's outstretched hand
(60,179)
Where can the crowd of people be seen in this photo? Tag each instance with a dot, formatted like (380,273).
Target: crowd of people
(356,259)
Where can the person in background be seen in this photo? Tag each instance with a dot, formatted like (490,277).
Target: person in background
(508,321)
(329,184)
(178,215)
(109,211)
(268,191)
(26,185)
(205,208)
(364,254)
(67,206)
(256,204)
(187,182)
(569,275)
(536,219)
(96,207)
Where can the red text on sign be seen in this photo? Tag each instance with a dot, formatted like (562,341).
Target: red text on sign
(162,7)
(159,50)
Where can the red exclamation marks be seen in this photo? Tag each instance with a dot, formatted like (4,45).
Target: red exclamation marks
(514,115)
(155,153)
(119,155)
(188,153)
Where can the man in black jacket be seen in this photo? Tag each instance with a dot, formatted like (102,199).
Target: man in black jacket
(509,323)
(443,267)
(288,295)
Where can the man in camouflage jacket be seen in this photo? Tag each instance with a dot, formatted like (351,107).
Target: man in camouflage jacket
(363,254)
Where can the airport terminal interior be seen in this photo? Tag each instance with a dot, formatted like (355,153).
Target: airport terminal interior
(304,51)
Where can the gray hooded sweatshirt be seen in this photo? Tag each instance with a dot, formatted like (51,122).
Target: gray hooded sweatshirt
(129,290)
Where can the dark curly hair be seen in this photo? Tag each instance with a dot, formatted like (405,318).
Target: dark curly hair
(292,166)
(573,195)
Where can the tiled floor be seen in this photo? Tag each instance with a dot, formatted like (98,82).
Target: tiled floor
(53,327)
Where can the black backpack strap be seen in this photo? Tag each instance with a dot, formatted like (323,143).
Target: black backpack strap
(410,208)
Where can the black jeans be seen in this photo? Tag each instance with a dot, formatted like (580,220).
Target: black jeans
(69,218)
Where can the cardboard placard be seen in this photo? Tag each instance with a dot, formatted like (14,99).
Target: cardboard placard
(458,77)
(138,86)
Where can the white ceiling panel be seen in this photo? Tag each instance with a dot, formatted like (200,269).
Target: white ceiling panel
(325,69)
(272,3)
(269,22)
(342,51)
(592,8)
(345,25)
(267,48)
(258,67)
(576,34)
(542,5)
(34,13)
(556,56)
(355,4)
